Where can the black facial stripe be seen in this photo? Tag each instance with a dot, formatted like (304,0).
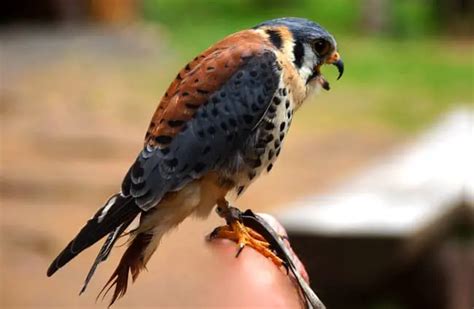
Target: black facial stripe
(298,52)
(311,77)
(275,38)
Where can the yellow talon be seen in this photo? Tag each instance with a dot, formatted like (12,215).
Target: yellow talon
(245,236)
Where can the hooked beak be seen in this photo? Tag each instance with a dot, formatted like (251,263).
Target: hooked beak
(335,59)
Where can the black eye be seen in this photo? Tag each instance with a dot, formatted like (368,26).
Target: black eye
(321,46)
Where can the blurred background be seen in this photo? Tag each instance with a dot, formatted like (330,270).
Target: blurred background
(80,80)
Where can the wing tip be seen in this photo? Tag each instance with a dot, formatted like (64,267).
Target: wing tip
(96,228)
(56,264)
(62,259)
(52,269)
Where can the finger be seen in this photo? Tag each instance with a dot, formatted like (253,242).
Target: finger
(281,231)
(250,280)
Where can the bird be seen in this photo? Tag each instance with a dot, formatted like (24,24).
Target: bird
(218,127)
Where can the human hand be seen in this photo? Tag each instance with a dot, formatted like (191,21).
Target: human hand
(251,280)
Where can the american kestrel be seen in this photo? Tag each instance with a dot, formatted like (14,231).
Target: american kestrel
(220,125)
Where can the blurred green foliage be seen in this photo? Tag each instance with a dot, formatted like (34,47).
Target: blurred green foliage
(413,18)
(403,17)
(402,77)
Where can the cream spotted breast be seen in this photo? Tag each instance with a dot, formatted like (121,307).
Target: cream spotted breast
(263,147)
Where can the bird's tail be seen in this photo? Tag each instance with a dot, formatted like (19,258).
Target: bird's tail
(144,242)
(105,251)
(113,218)
(133,261)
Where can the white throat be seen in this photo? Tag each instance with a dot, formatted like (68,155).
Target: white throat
(309,62)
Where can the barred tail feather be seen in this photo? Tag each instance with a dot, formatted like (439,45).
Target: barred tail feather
(117,211)
(133,261)
(105,251)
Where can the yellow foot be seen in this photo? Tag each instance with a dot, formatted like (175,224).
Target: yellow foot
(245,236)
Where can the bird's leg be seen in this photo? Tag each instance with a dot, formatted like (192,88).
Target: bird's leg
(244,236)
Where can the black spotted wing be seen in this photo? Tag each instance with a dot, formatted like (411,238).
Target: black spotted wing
(218,129)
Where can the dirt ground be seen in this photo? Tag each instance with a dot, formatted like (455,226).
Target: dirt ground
(74,107)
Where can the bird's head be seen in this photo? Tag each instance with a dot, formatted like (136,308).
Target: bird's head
(307,45)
